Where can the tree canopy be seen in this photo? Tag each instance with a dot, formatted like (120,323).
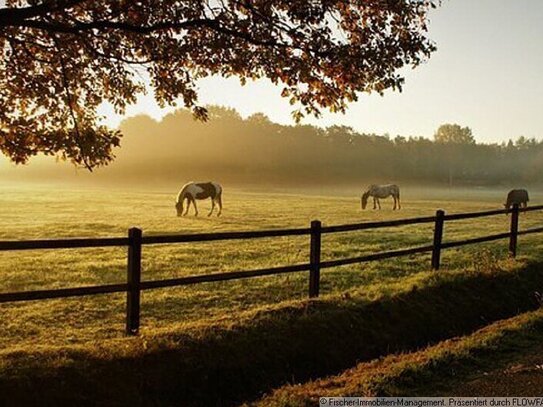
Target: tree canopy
(62,58)
(454,134)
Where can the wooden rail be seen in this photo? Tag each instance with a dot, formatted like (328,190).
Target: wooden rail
(136,240)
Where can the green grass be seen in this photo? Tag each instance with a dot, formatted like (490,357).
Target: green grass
(36,213)
(238,357)
(228,342)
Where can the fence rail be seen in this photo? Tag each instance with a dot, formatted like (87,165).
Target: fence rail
(136,240)
(63,244)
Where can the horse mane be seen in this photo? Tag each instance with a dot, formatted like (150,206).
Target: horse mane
(182,191)
(365,196)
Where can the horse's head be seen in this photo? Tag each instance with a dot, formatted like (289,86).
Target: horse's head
(179,208)
(364,200)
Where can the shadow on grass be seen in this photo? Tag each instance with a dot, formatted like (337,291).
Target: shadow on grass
(224,365)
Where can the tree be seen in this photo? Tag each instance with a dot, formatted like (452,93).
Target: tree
(454,140)
(454,134)
(62,58)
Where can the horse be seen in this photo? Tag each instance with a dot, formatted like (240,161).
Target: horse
(199,190)
(517,196)
(381,191)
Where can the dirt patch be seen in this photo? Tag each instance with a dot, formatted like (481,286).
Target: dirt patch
(521,377)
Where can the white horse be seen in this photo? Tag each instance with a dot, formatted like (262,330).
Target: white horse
(199,190)
(381,191)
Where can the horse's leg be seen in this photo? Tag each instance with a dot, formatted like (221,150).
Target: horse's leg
(195,207)
(219,202)
(212,206)
(189,201)
(398,198)
(188,205)
(378,203)
(374,203)
(394,206)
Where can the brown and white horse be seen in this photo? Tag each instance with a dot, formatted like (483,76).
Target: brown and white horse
(381,191)
(199,190)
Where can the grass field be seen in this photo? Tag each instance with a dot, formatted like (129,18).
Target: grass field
(41,212)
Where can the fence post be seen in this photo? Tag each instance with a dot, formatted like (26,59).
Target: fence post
(315,259)
(514,232)
(133,280)
(438,237)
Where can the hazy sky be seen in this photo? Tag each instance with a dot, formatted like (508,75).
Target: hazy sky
(486,75)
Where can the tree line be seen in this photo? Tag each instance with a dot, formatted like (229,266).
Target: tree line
(257,150)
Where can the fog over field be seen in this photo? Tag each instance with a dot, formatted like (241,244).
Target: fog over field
(261,154)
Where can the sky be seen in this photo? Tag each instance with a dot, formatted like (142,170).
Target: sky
(486,74)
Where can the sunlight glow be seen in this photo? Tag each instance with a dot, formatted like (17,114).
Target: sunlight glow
(482,76)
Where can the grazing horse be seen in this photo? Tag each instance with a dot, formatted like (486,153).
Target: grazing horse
(381,191)
(517,196)
(199,190)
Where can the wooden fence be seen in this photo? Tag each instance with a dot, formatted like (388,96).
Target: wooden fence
(135,240)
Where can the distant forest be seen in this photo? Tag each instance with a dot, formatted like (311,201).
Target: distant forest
(255,150)
(231,148)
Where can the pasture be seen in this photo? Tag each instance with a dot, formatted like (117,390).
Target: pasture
(43,213)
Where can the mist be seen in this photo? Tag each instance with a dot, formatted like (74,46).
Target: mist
(256,151)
